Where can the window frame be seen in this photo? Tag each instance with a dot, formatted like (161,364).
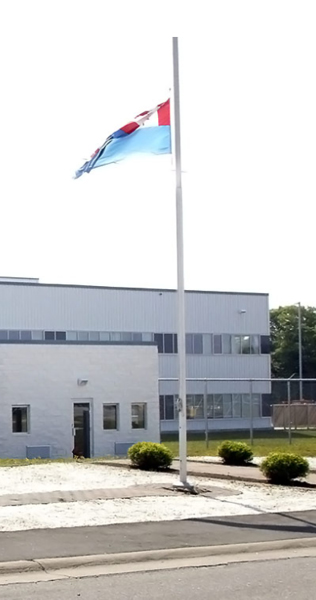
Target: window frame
(144,406)
(117,418)
(28,419)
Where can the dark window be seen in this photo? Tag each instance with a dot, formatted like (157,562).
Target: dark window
(3,334)
(49,335)
(26,335)
(265,344)
(162,407)
(60,335)
(175,343)
(14,335)
(20,419)
(110,416)
(217,343)
(158,338)
(139,416)
(198,343)
(168,343)
(94,336)
(126,336)
(169,408)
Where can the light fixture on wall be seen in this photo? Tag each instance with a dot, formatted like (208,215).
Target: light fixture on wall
(82,381)
(242,311)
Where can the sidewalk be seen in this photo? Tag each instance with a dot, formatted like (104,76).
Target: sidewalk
(136,537)
(210,470)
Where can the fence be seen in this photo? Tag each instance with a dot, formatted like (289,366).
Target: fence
(240,404)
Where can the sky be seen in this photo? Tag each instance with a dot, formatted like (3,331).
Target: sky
(72,72)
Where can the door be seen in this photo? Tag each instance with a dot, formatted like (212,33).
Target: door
(82,429)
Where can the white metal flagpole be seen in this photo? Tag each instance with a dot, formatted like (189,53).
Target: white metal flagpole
(180,267)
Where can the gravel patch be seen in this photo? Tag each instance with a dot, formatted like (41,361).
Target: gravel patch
(245,499)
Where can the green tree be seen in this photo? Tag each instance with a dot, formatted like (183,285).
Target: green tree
(284,340)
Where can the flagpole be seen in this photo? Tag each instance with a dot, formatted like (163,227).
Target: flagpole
(180,267)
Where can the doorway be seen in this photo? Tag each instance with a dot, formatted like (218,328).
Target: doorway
(82,430)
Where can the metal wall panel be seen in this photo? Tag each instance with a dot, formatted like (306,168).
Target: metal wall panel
(113,309)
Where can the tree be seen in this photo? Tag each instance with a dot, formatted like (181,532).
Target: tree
(284,340)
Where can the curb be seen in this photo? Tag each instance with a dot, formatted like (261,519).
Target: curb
(192,473)
(72,562)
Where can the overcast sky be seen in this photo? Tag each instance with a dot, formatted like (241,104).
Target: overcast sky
(72,72)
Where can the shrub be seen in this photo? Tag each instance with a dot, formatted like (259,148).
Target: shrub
(150,456)
(235,453)
(282,467)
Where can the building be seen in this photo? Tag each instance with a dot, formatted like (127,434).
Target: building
(227,338)
(89,399)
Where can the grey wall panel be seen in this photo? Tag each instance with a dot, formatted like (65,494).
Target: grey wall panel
(110,309)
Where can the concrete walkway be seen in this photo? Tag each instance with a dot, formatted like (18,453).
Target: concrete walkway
(135,491)
(250,474)
(136,537)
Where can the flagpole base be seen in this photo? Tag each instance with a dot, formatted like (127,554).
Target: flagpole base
(186,488)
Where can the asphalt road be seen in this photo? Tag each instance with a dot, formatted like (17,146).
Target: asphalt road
(130,537)
(290,579)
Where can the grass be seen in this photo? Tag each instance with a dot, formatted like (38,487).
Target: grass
(24,462)
(303,442)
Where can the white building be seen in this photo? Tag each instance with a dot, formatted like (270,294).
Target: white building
(227,337)
(94,399)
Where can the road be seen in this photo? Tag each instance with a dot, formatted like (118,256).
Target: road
(290,579)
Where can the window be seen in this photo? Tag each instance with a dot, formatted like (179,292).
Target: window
(246,406)
(167,342)
(126,337)
(147,337)
(110,416)
(236,344)
(195,406)
(218,406)
(71,336)
(167,409)
(20,419)
(210,406)
(49,335)
(3,334)
(226,343)
(158,338)
(227,406)
(115,336)
(265,344)
(14,335)
(207,343)
(37,335)
(104,336)
(94,336)
(245,344)
(217,343)
(139,416)
(194,343)
(254,344)
(26,335)
(83,336)
(60,335)
(237,401)
(137,337)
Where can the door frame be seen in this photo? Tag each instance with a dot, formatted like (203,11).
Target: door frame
(88,401)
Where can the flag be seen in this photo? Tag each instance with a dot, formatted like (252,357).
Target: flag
(149,133)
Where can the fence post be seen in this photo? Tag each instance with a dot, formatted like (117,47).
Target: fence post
(289,410)
(251,412)
(205,412)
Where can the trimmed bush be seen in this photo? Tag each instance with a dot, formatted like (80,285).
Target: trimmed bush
(235,453)
(282,467)
(149,456)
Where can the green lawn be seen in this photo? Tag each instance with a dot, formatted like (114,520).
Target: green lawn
(303,442)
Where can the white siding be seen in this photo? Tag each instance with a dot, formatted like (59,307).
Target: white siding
(45,377)
(64,307)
